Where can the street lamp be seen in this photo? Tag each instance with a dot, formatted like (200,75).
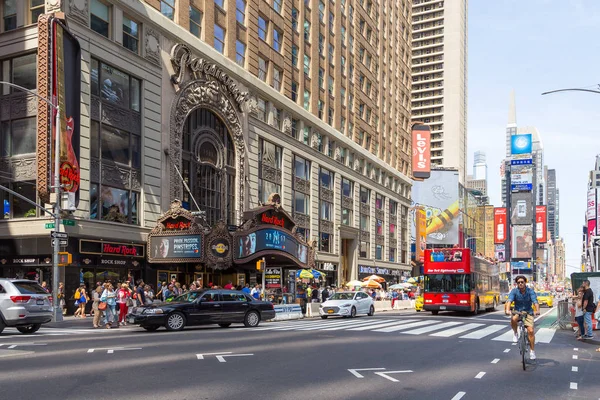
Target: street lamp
(571,90)
(57,189)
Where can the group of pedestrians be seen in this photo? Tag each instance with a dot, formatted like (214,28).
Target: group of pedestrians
(585,307)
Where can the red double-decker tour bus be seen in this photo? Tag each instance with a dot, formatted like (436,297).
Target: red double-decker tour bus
(455,280)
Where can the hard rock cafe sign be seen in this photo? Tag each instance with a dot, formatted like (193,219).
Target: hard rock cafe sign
(181,58)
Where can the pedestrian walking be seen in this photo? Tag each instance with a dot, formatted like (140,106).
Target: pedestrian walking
(96,306)
(109,296)
(123,301)
(80,301)
(588,307)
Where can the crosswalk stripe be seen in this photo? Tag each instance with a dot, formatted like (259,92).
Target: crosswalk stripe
(505,337)
(402,326)
(457,330)
(354,324)
(544,335)
(488,330)
(431,328)
(333,325)
(378,325)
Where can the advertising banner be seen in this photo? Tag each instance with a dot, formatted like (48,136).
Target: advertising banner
(521,178)
(269,240)
(421,239)
(500,225)
(541,224)
(521,213)
(273,278)
(501,252)
(176,246)
(521,241)
(489,232)
(439,197)
(591,212)
(520,144)
(421,159)
(520,265)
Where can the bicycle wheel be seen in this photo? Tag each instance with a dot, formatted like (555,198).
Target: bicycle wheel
(523,342)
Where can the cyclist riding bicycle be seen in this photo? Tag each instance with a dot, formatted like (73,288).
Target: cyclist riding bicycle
(525,300)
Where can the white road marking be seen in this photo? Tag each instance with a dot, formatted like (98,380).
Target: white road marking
(575,349)
(479,375)
(378,325)
(384,374)
(505,337)
(574,369)
(356,374)
(431,328)
(544,335)
(222,358)
(506,350)
(402,326)
(495,361)
(575,357)
(573,386)
(201,356)
(459,395)
(488,330)
(457,330)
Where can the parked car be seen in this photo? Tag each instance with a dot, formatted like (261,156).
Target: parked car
(201,307)
(545,299)
(347,304)
(24,304)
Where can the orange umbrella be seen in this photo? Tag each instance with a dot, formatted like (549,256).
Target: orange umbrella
(375,278)
(371,284)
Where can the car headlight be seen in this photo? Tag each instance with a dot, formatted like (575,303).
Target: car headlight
(153,311)
(346,305)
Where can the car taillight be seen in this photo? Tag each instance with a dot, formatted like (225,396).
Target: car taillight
(20,299)
(272,306)
(50,300)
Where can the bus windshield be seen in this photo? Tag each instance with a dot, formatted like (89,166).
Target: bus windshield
(454,283)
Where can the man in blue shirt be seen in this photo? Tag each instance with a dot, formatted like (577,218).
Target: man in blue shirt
(525,300)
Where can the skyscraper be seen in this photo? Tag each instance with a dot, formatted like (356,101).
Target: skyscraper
(480,166)
(439,73)
(552,204)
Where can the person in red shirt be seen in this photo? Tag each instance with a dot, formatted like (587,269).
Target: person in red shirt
(229,286)
(123,295)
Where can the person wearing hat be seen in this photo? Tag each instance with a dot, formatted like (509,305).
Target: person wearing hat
(123,301)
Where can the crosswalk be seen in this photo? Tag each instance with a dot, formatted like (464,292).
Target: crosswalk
(14,333)
(415,327)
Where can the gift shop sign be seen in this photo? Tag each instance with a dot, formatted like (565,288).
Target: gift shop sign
(110,248)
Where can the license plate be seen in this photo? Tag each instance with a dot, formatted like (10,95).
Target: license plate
(39,302)
(330,311)
(444,301)
(131,320)
(442,307)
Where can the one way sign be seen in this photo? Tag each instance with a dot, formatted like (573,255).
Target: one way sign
(596,241)
(59,235)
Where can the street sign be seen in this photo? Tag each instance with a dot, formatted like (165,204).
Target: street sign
(65,222)
(596,241)
(59,235)
(62,242)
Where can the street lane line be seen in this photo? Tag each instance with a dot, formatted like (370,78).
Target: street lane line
(479,375)
(356,374)
(575,357)
(334,325)
(400,327)
(488,330)
(457,330)
(375,326)
(544,335)
(576,349)
(574,369)
(431,328)
(353,324)
(573,385)
(506,350)
(459,395)
(495,361)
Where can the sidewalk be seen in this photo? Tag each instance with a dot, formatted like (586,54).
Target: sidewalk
(71,322)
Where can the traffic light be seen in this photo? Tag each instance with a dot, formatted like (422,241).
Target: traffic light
(64,258)
(260,265)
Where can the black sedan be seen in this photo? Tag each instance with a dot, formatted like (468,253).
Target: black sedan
(201,307)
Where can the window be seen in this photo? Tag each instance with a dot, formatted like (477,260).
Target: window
(301,202)
(22,71)
(305,135)
(100,18)
(220,3)
(330,85)
(325,242)
(343,95)
(378,227)
(393,207)
(326,178)
(365,195)
(277,5)
(347,188)
(295,55)
(240,53)
(343,61)
(15,207)
(331,21)
(392,229)
(294,91)
(277,74)
(167,8)
(393,251)
(306,65)
(219,39)
(321,78)
(270,155)
(343,32)
(365,221)
(117,87)
(240,11)
(321,44)
(36,8)
(331,53)
(262,28)
(277,40)
(195,21)
(261,112)
(18,137)
(321,11)
(326,210)
(306,30)
(301,168)
(262,69)
(131,34)
(295,15)
(379,201)
(127,201)
(294,128)
(277,118)
(330,119)
(378,252)
(347,217)
(364,249)
(320,109)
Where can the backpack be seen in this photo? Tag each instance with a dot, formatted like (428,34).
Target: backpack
(77,294)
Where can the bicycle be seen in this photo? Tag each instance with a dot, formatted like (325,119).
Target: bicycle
(523,341)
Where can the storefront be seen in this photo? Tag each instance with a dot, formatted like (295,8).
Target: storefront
(390,275)
(330,270)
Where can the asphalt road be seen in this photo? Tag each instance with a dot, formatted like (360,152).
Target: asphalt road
(388,356)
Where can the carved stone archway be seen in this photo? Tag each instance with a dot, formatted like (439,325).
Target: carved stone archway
(211,89)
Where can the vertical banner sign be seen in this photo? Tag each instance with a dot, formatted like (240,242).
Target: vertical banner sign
(591,213)
(421,234)
(499,225)
(541,224)
(421,159)
(66,91)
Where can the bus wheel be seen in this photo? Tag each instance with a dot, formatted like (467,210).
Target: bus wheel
(476,311)
(435,312)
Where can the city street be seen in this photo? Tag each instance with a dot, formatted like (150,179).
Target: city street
(390,356)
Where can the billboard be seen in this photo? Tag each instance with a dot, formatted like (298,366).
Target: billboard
(521,241)
(500,252)
(421,159)
(439,197)
(521,178)
(520,144)
(541,224)
(176,247)
(591,213)
(489,232)
(269,241)
(500,225)
(521,208)
(420,237)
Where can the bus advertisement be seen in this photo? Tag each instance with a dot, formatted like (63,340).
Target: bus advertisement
(455,280)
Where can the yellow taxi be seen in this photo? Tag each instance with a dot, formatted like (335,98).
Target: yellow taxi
(545,299)
(419,303)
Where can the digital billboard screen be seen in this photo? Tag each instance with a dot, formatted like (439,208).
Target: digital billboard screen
(176,246)
(264,239)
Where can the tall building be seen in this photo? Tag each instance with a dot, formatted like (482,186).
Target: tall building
(552,205)
(240,100)
(480,166)
(478,181)
(439,78)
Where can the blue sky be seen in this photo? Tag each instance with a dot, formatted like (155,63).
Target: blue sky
(533,46)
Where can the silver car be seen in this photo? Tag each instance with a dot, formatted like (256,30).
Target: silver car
(24,304)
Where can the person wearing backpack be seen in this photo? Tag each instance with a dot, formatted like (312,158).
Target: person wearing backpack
(588,307)
(80,301)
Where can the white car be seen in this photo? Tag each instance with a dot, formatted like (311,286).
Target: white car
(347,304)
